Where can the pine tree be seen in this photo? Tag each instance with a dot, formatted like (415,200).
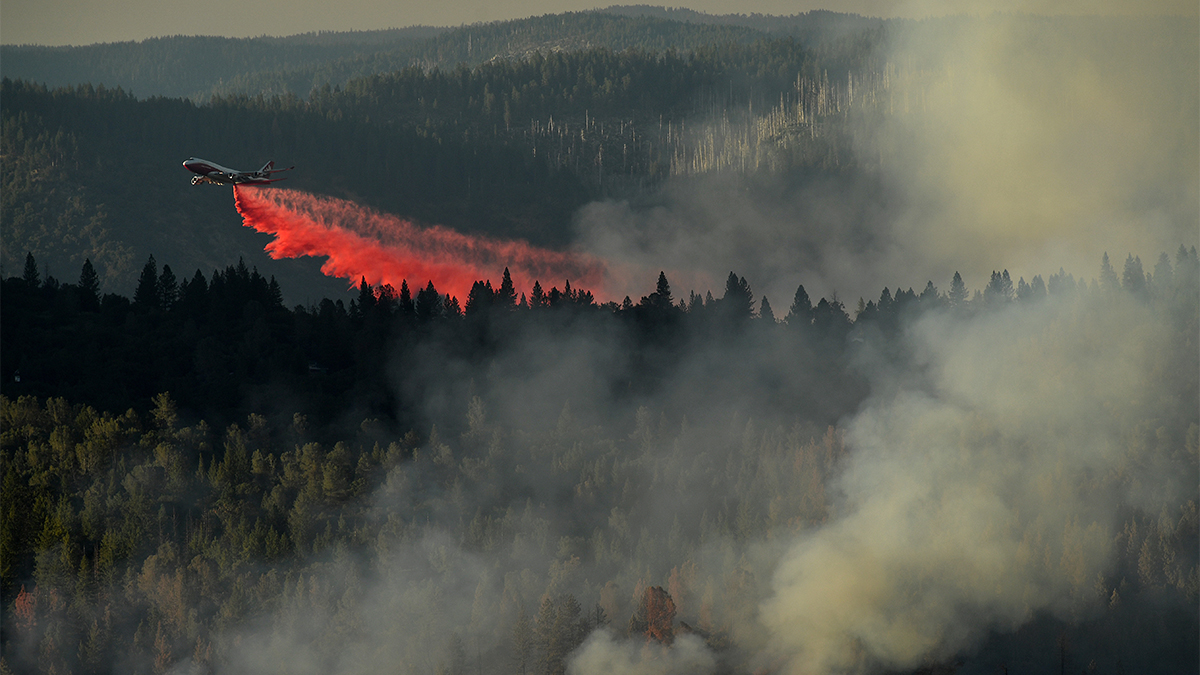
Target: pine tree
(738,302)
(1163,275)
(765,312)
(662,293)
(999,289)
(168,289)
(885,300)
(89,285)
(31,277)
(522,636)
(800,313)
(165,412)
(548,657)
(506,297)
(1133,279)
(537,297)
(568,629)
(407,308)
(479,299)
(429,303)
(1108,276)
(930,296)
(146,297)
(275,293)
(1024,290)
(366,298)
(1037,287)
(958,292)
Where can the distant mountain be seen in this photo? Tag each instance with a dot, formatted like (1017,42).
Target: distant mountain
(192,66)
(813,27)
(198,67)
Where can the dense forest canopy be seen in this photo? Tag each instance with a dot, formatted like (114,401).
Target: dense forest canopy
(519,484)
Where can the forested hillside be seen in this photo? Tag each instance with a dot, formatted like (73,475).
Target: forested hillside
(508,148)
(199,67)
(232,485)
(193,66)
(511,147)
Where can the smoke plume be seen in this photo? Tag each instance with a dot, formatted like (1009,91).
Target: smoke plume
(360,243)
(979,143)
(965,504)
(1033,142)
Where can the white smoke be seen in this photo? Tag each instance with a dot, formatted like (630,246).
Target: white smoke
(965,502)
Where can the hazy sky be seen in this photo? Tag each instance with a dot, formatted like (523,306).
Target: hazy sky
(62,22)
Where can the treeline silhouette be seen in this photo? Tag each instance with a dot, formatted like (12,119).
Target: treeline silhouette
(221,344)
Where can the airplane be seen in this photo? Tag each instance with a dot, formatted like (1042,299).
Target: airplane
(210,172)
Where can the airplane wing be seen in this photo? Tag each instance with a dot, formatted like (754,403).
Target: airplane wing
(255,180)
(267,170)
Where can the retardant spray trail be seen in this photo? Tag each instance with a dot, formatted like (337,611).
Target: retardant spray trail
(360,243)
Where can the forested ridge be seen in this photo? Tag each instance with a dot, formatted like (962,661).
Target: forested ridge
(511,149)
(210,521)
(198,67)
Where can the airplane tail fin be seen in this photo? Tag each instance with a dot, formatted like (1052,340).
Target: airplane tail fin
(267,167)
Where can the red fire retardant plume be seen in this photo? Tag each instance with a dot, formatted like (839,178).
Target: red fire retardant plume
(361,243)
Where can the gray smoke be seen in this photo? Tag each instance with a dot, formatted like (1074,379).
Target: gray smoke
(965,503)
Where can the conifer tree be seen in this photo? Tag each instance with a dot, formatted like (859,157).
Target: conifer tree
(548,657)
(429,303)
(366,298)
(168,289)
(800,313)
(930,295)
(31,276)
(1037,287)
(522,637)
(738,302)
(146,297)
(765,312)
(275,293)
(1108,276)
(1163,274)
(958,292)
(506,297)
(407,308)
(1133,279)
(662,293)
(89,285)
(537,297)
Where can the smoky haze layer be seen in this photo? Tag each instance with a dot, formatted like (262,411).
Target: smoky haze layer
(1022,140)
(965,144)
(975,491)
(384,249)
(1016,468)
(966,504)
